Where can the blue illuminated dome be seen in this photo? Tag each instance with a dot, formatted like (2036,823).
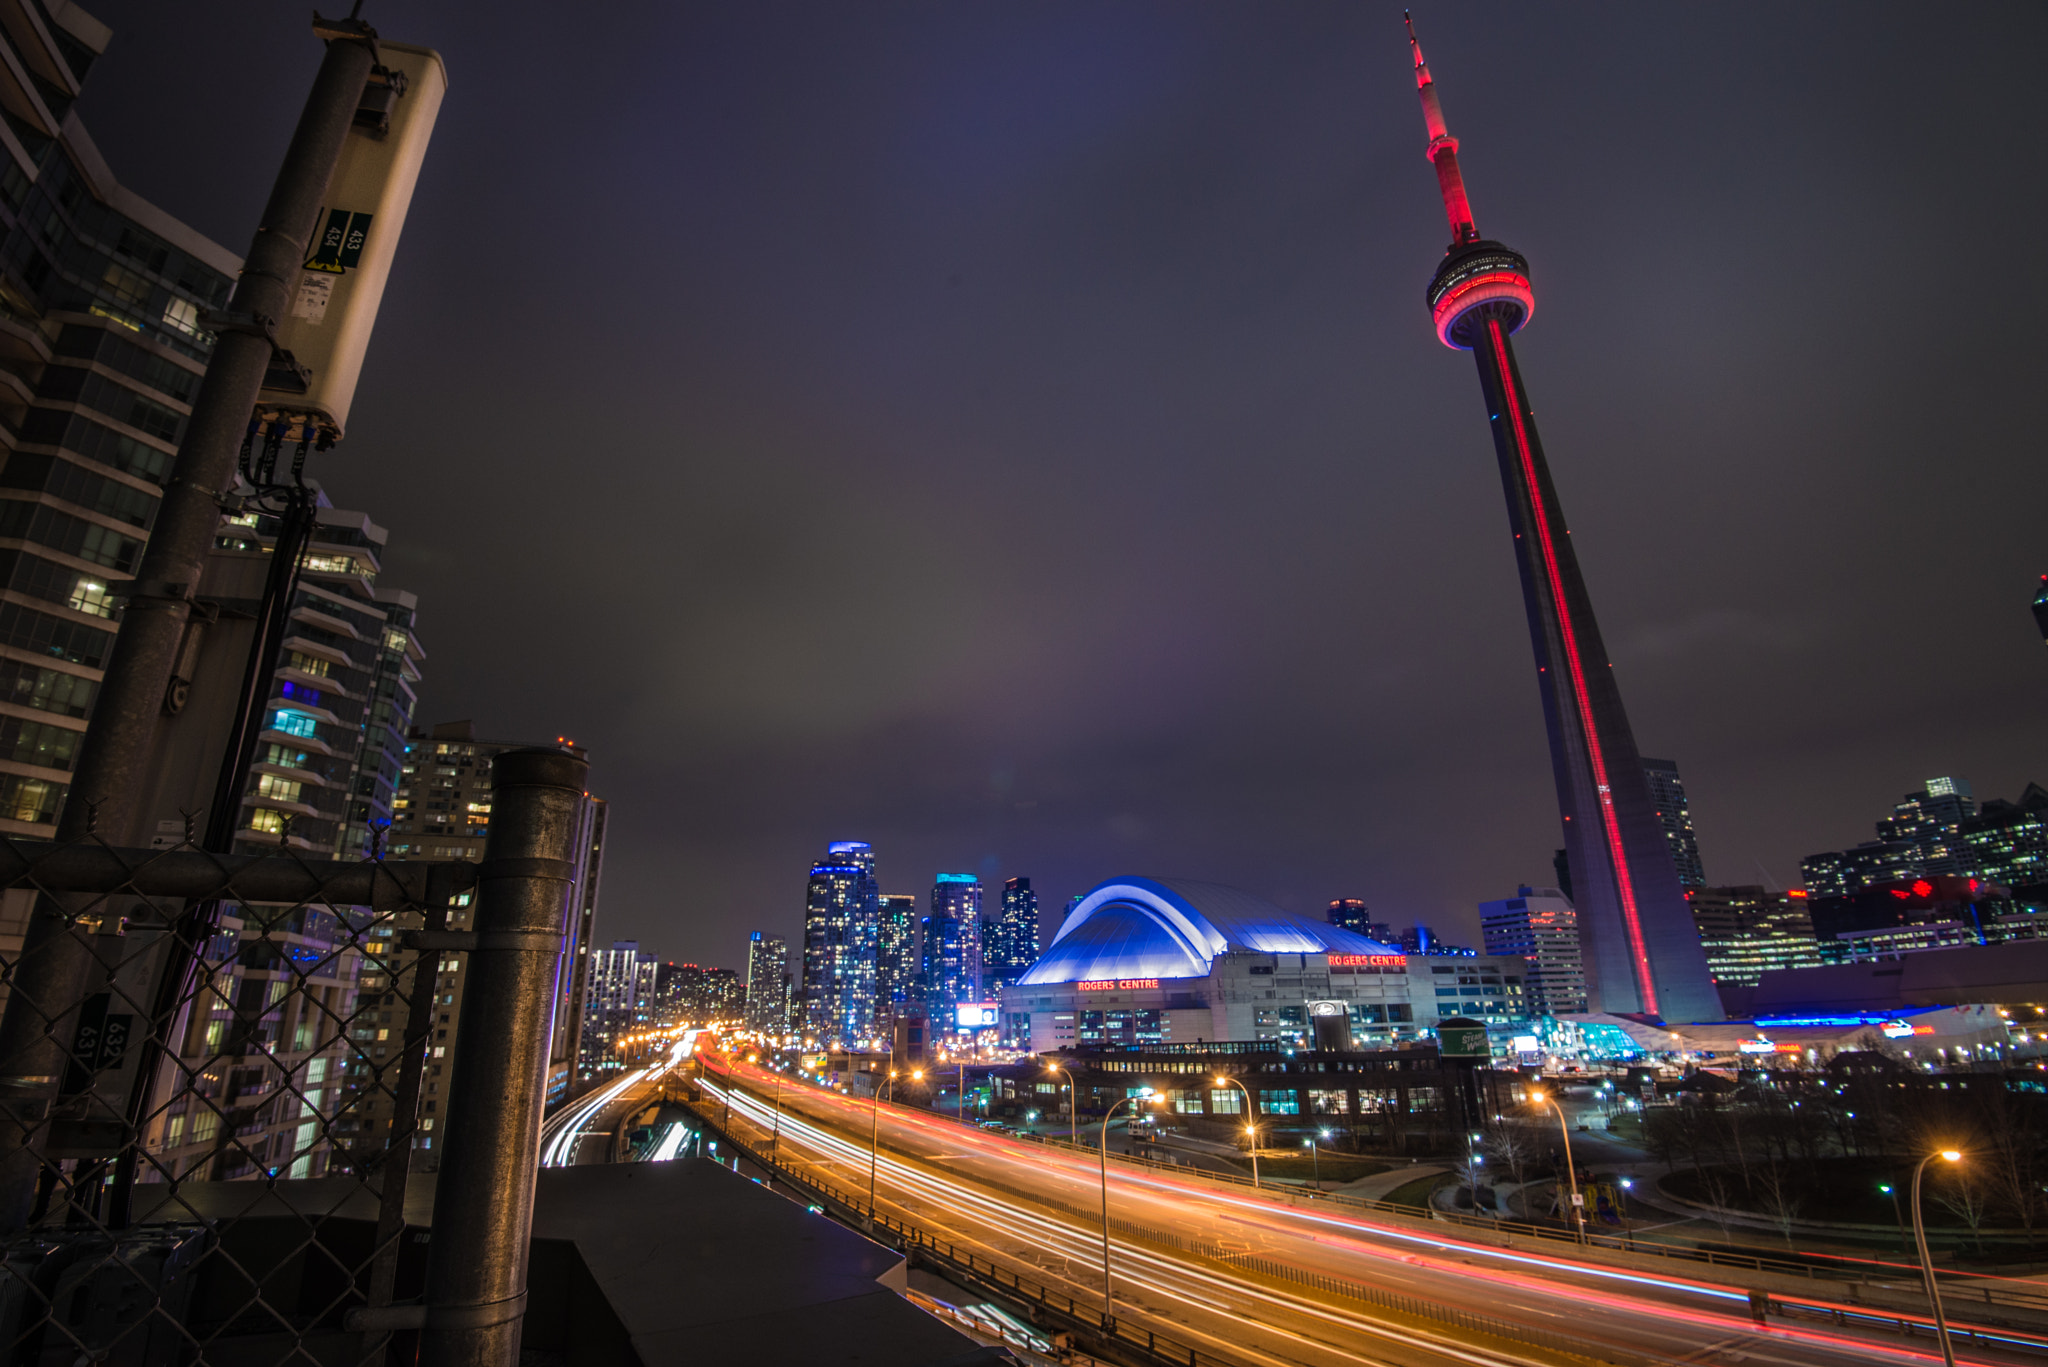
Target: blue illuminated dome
(1173,928)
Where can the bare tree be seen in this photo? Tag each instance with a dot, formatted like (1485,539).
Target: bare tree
(1781,1199)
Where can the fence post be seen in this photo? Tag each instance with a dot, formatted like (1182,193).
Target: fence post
(483,1202)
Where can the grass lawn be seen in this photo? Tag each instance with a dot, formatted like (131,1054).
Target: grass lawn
(1335,1167)
(1416,1193)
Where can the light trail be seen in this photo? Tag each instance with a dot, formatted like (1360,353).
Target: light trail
(1141,1267)
(560,1135)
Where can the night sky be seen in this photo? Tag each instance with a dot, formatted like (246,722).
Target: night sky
(1011,433)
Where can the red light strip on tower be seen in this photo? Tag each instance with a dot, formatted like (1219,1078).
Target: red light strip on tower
(1630,921)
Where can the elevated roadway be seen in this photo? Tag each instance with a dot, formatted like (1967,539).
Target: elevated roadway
(581,1131)
(1256,1279)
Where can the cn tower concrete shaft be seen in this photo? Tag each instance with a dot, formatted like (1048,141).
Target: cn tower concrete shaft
(1642,952)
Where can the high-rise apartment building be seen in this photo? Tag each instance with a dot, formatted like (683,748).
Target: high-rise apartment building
(899,990)
(767,984)
(621,988)
(952,945)
(1641,951)
(1540,925)
(441,809)
(1667,794)
(322,781)
(1009,939)
(1749,931)
(842,910)
(101,352)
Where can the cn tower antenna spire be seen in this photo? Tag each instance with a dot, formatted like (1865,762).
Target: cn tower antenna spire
(1443,148)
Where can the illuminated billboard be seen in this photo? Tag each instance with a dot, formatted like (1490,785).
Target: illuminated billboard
(1368,961)
(977,1015)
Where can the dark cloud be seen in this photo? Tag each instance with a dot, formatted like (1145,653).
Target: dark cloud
(1011,433)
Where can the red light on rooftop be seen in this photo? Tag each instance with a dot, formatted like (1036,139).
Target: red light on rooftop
(1923,888)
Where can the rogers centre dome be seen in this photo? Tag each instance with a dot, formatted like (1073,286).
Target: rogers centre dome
(1175,928)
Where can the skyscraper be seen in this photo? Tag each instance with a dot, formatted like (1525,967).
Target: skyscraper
(1540,925)
(1667,792)
(1010,938)
(621,987)
(103,297)
(841,915)
(441,809)
(898,990)
(1748,932)
(767,984)
(1642,953)
(952,945)
(1350,913)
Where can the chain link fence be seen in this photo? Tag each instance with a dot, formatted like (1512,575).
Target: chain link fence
(213,1154)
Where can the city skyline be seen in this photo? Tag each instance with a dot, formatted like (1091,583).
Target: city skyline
(1206,259)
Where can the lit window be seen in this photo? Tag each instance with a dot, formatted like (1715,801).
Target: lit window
(293,723)
(90,595)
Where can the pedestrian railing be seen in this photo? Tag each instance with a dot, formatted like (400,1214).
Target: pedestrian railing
(221,1085)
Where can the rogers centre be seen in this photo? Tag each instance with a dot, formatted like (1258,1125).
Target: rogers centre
(1159,961)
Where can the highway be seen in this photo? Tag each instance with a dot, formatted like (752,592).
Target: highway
(1037,1209)
(562,1135)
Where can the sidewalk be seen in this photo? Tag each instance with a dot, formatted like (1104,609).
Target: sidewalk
(1376,1187)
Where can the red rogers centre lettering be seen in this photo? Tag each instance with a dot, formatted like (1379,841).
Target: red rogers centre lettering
(1367,961)
(1118,984)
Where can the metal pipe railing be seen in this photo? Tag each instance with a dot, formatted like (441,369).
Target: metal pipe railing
(483,1201)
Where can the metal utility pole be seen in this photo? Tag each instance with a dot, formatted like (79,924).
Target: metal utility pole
(51,974)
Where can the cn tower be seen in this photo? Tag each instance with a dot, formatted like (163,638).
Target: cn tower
(1642,952)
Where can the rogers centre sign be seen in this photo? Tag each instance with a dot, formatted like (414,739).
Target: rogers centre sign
(1118,984)
(1368,961)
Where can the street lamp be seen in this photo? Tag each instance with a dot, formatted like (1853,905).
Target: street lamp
(1898,1215)
(1315,1158)
(875,1141)
(1472,1162)
(1144,1097)
(1570,1170)
(1948,1353)
(1251,1125)
(1073,1104)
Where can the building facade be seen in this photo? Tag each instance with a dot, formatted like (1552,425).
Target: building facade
(767,1010)
(101,352)
(1667,792)
(1009,938)
(842,909)
(951,948)
(1941,832)
(1539,925)
(1749,931)
(442,810)
(1144,961)
(899,982)
(1642,954)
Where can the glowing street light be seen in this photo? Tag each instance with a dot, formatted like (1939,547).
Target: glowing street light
(1570,1169)
(1073,1104)
(1948,1352)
